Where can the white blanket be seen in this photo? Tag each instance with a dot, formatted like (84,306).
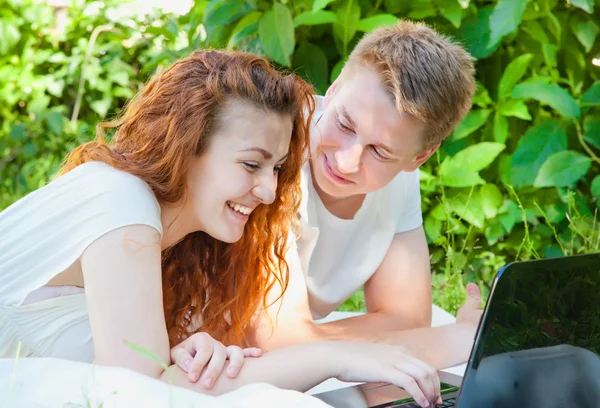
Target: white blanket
(54,383)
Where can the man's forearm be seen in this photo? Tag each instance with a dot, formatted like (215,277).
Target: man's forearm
(440,347)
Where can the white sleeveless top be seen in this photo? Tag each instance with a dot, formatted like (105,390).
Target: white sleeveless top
(43,234)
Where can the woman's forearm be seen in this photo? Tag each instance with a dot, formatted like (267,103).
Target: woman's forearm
(298,367)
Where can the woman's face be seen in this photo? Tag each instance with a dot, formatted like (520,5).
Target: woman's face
(239,169)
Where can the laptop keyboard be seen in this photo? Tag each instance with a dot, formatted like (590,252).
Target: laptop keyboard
(449,403)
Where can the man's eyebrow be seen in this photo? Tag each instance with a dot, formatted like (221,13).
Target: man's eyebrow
(344,112)
(267,155)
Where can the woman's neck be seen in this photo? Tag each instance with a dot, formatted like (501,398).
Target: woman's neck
(176,223)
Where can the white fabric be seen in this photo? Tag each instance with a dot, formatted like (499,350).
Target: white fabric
(43,234)
(53,383)
(338,256)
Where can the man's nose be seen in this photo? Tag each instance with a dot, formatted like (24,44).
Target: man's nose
(348,159)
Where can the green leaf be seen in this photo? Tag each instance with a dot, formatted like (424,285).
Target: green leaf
(452,11)
(17,133)
(536,31)
(500,128)
(539,143)
(461,169)
(369,24)
(337,69)
(101,106)
(585,5)
(513,74)
(433,227)
(314,18)
(550,94)
(504,168)
(505,18)
(9,35)
(591,130)
(38,104)
(320,4)
(54,120)
(554,27)
(493,233)
(424,11)
(348,17)
(276,31)
(511,214)
(220,12)
(516,108)
(491,199)
(595,189)
(592,95)
(550,51)
(247,26)
(586,31)
(471,122)
(468,208)
(311,63)
(563,169)
(475,34)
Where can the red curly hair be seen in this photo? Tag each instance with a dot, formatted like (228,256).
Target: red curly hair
(168,123)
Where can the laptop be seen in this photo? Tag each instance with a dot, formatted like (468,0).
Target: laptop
(537,344)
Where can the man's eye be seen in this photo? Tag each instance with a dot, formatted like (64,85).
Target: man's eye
(378,153)
(341,125)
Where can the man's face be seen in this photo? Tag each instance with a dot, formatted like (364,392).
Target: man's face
(361,141)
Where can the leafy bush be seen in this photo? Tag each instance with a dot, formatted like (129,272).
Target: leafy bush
(518,178)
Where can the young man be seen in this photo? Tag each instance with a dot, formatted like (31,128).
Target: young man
(401,93)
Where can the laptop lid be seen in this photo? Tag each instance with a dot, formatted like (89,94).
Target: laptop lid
(539,338)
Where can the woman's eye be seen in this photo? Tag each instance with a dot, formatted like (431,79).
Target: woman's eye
(277,169)
(251,166)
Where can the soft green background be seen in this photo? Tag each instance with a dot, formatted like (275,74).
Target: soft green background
(517,180)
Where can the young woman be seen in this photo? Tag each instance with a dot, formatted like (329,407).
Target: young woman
(163,238)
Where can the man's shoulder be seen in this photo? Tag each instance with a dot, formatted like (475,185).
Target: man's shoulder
(403,183)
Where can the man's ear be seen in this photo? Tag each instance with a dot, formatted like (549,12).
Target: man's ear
(331,91)
(422,158)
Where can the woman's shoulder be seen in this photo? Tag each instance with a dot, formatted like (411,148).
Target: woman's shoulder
(92,193)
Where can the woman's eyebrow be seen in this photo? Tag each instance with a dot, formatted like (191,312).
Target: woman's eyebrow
(266,154)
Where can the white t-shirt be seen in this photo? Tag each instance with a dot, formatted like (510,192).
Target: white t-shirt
(338,256)
(41,235)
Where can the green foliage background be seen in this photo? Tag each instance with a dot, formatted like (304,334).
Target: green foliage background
(518,179)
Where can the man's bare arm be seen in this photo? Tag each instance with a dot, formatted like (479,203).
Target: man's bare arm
(397,311)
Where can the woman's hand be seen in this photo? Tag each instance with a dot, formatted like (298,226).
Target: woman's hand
(371,362)
(201,352)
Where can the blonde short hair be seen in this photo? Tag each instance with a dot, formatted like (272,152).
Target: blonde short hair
(428,75)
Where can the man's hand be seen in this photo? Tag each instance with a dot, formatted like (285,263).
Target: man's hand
(201,352)
(471,311)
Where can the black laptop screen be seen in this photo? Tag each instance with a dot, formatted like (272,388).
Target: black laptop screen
(540,337)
